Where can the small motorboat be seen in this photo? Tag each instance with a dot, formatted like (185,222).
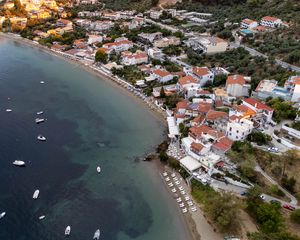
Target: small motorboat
(97,234)
(8,110)
(39,120)
(39,113)
(68,230)
(42,217)
(36,194)
(98,169)
(2,215)
(42,82)
(41,138)
(19,163)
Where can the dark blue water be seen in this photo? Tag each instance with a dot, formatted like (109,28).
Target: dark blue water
(89,123)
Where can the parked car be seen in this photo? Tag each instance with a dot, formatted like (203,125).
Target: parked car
(244,193)
(274,201)
(273,149)
(289,207)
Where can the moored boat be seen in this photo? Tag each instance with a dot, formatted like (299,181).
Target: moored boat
(39,113)
(39,120)
(98,169)
(8,110)
(19,163)
(68,230)
(41,138)
(42,217)
(2,215)
(97,234)
(36,194)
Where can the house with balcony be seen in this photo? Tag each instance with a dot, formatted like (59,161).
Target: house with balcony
(271,22)
(202,74)
(248,23)
(238,128)
(236,86)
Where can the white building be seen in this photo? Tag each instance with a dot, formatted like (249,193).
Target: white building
(94,39)
(293,85)
(272,22)
(119,46)
(162,75)
(249,24)
(263,112)
(202,74)
(129,58)
(101,25)
(155,53)
(166,41)
(238,128)
(155,14)
(209,45)
(236,86)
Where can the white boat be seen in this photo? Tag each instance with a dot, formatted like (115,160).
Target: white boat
(19,163)
(42,82)
(8,110)
(98,169)
(2,215)
(68,230)
(36,194)
(39,120)
(41,138)
(39,113)
(97,234)
(42,217)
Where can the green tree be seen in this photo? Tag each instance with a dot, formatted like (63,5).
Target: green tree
(101,56)
(162,93)
(269,217)
(295,216)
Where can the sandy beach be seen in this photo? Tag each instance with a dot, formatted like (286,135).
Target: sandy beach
(196,225)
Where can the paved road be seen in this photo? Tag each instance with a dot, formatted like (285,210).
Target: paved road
(253,52)
(293,201)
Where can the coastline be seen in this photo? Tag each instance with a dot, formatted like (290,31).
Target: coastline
(189,224)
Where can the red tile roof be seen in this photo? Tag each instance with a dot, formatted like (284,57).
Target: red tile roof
(183,104)
(200,71)
(270,19)
(161,73)
(204,107)
(257,104)
(213,115)
(198,119)
(186,80)
(197,147)
(223,144)
(198,131)
(236,79)
(248,21)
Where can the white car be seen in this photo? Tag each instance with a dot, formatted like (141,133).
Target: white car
(193,209)
(187,198)
(177,182)
(184,210)
(182,192)
(181,205)
(263,197)
(180,188)
(174,190)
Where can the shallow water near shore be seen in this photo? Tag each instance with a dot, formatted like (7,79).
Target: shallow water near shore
(89,123)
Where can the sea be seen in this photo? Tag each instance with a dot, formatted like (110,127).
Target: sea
(90,122)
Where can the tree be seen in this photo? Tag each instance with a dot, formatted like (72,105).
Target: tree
(259,138)
(295,216)
(101,56)
(269,217)
(288,183)
(162,93)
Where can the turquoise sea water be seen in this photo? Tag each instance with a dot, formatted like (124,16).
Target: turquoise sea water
(89,122)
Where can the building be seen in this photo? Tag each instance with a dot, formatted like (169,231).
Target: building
(269,88)
(202,74)
(166,41)
(208,44)
(155,53)
(129,58)
(64,23)
(18,22)
(162,75)
(271,22)
(263,112)
(249,24)
(217,120)
(155,14)
(148,38)
(238,128)
(119,46)
(101,25)
(236,86)
(94,39)
(293,86)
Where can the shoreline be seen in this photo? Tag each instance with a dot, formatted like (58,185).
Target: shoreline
(189,223)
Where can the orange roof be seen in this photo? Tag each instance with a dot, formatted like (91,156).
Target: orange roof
(105,50)
(108,45)
(198,119)
(203,92)
(213,115)
(235,79)
(204,107)
(260,28)
(223,144)
(198,131)
(161,73)
(257,104)
(197,146)
(186,80)
(200,71)
(296,80)
(248,21)
(135,55)
(270,19)
(182,104)
(235,117)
